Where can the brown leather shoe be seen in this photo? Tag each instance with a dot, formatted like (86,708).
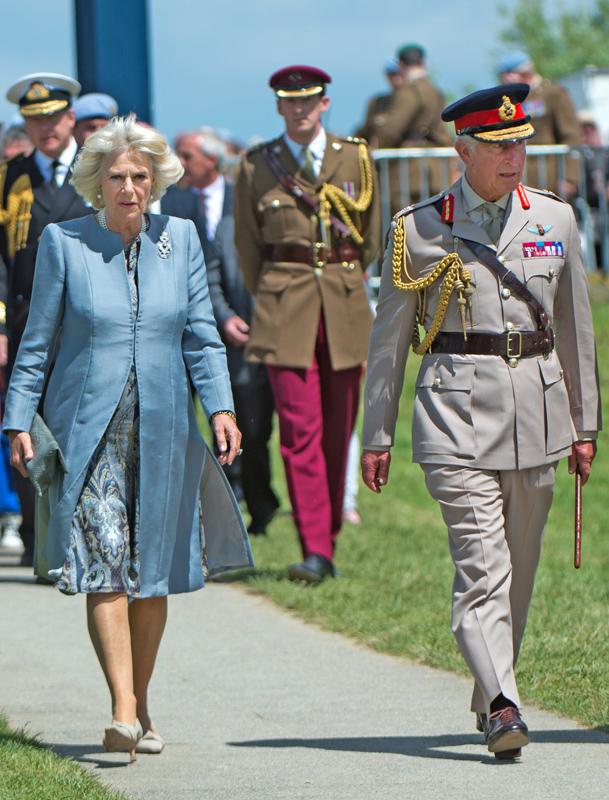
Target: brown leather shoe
(506,733)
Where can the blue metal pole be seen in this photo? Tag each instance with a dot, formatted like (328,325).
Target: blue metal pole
(112,52)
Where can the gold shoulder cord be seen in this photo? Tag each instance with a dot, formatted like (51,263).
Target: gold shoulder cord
(18,212)
(330,195)
(457,277)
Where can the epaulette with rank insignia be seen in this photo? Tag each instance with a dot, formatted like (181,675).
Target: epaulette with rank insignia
(353,139)
(256,147)
(545,193)
(421,204)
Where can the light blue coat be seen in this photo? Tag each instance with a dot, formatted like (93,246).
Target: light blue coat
(81,315)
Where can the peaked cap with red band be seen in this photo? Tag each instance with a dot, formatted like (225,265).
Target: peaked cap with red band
(299,81)
(492,115)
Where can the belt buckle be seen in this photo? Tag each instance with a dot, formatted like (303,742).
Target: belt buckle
(511,354)
(320,258)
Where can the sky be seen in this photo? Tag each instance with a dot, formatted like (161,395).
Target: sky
(210,61)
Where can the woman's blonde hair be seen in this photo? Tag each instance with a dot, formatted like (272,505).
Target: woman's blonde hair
(119,135)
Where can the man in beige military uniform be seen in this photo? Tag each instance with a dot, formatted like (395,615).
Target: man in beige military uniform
(306,228)
(555,119)
(379,105)
(506,388)
(413,120)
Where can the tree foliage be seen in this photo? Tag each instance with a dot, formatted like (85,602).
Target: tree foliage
(559,41)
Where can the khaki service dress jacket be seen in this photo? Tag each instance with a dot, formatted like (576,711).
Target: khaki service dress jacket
(290,296)
(554,118)
(476,410)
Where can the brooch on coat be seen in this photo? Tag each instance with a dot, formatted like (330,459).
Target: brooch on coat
(164,245)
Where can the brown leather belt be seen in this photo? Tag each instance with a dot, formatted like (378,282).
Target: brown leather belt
(311,254)
(510,345)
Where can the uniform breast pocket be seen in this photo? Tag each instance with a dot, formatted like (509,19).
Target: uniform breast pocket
(282,220)
(442,418)
(541,276)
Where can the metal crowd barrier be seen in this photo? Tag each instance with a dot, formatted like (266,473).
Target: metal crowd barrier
(590,203)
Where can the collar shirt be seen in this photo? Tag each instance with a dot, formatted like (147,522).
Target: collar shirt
(213,198)
(317,148)
(45,163)
(477,209)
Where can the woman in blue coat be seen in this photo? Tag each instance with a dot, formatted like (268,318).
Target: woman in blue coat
(120,325)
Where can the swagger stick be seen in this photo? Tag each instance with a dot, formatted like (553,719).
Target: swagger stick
(577,557)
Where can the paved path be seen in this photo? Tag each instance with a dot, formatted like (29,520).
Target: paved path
(255,704)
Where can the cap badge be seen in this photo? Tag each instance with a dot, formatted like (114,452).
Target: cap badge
(507,110)
(37,91)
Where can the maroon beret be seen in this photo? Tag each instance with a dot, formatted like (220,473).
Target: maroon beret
(299,81)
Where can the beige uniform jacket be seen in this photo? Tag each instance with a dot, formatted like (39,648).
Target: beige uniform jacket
(291,296)
(376,111)
(413,120)
(477,411)
(555,121)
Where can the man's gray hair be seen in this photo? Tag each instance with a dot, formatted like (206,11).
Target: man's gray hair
(467,139)
(211,144)
(123,134)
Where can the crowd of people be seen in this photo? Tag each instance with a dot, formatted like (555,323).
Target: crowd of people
(140,275)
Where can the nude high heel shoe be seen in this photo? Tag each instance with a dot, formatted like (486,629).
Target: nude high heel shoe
(120,737)
(151,743)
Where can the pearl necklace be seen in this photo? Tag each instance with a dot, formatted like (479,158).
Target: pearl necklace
(101,219)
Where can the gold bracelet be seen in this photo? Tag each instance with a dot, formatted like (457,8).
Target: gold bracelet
(228,414)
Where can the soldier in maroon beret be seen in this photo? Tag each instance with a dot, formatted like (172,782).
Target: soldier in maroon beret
(306,228)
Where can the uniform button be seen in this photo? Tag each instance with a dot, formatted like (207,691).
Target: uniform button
(436,382)
(19,297)
(344,263)
(513,362)
(275,204)
(318,271)
(561,373)
(552,272)
(350,267)
(509,326)
(501,259)
(505,293)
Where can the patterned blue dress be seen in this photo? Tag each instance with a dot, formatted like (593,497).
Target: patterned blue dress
(103,553)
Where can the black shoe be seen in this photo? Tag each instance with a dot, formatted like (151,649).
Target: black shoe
(314,569)
(258,525)
(506,733)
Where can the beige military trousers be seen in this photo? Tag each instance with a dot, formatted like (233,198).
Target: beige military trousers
(495,528)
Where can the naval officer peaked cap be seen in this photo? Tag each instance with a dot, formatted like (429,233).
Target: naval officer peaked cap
(43,93)
(299,81)
(492,115)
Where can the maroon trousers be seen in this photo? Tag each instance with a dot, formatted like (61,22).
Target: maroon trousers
(316,408)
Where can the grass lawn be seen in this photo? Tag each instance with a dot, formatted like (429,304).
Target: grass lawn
(394,593)
(31,772)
